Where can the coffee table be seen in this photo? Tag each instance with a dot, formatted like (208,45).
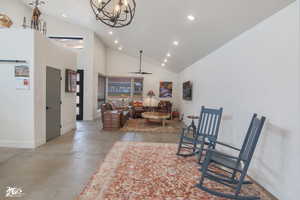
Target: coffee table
(156,116)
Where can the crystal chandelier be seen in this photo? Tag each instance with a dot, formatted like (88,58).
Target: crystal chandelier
(114,13)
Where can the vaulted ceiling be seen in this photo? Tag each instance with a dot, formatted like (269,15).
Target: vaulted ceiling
(158,23)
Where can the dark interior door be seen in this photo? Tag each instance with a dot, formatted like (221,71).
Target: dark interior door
(53,103)
(79,95)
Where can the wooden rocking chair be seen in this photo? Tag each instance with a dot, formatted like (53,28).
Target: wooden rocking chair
(207,131)
(229,167)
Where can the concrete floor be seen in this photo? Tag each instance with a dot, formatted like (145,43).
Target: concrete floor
(60,169)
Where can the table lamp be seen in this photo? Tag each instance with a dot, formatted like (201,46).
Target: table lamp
(150,101)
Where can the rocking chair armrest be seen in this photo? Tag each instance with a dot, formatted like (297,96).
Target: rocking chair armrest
(227,145)
(209,151)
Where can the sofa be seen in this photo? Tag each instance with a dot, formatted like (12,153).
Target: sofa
(138,108)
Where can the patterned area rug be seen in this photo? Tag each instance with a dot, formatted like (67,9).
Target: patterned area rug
(142,125)
(150,171)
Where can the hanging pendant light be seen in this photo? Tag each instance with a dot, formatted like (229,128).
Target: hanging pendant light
(114,13)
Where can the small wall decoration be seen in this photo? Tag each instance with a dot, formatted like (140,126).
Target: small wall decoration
(36,22)
(165,89)
(36,13)
(22,77)
(187,90)
(22,71)
(71,81)
(5,21)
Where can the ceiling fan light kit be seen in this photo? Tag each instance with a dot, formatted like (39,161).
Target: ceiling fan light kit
(114,13)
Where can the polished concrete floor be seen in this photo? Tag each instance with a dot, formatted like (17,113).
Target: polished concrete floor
(60,169)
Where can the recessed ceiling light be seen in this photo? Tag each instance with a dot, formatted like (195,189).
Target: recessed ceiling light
(176,43)
(110,32)
(165,60)
(191,17)
(168,55)
(120,48)
(77,47)
(64,15)
(116,41)
(163,64)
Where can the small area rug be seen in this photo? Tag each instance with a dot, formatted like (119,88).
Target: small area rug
(141,125)
(150,171)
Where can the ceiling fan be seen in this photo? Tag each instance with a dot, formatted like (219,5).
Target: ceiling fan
(141,72)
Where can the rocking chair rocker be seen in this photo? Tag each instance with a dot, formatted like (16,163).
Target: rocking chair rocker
(206,134)
(234,165)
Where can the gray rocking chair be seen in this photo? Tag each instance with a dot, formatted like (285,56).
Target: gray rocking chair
(229,167)
(206,134)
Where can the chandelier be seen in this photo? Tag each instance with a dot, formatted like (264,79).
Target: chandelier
(114,13)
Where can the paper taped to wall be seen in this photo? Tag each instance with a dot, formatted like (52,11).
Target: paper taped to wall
(22,77)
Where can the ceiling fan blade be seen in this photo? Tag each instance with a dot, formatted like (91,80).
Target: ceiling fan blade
(135,72)
(140,72)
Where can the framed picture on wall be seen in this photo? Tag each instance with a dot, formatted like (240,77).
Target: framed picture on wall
(165,89)
(71,80)
(187,90)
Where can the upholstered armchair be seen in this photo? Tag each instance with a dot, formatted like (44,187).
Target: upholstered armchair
(165,107)
(113,119)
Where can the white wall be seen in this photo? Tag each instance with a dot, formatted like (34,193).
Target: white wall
(257,72)
(16,11)
(16,115)
(100,54)
(23,115)
(49,54)
(120,64)
(91,59)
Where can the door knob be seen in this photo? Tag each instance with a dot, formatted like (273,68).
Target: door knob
(47,107)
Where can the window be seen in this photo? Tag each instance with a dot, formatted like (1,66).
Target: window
(125,87)
(119,87)
(138,87)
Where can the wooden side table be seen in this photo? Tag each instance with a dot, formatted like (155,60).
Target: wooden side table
(192,125)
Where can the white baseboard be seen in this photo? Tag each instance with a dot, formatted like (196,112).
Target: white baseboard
(40,143)
(17,144)
(67,128)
